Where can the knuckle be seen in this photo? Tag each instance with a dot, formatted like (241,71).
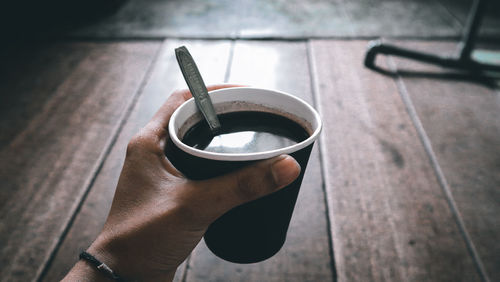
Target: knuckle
(133,146)
(247,186)
(142,142)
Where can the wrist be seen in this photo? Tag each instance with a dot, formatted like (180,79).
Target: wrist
(125,261)
(83,271)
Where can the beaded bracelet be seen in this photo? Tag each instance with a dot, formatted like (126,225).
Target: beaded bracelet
(102,267)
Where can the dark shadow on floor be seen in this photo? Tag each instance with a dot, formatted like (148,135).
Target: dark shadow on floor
(27,21)
(488,79)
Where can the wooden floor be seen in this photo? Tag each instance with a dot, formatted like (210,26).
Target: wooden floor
(404,184)
(290,19)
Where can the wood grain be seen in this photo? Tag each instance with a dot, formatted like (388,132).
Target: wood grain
(306,253)
(52,157)
(390,218)
(293,19)
(29,76)
(275,19)
(212,59)
(423,19)
(161,18)
(462,121)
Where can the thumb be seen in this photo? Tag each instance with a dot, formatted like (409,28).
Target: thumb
(228,191)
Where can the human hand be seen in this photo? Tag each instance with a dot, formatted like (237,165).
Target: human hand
(158,216)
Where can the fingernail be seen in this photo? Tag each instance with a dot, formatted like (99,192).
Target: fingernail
(285,170)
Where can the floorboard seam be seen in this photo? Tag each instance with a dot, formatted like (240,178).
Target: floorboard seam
(229,62)
(184,274)
(45,266)
(315,94)
(437,169)
(481,39)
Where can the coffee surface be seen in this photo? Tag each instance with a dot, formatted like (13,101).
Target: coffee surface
(246,132)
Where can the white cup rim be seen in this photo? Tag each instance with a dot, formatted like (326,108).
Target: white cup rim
(218,96)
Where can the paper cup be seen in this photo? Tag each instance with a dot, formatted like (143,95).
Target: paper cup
(256,230)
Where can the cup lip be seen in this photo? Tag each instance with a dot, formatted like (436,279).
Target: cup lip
(243,156)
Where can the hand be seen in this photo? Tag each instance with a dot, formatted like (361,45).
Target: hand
(158,216)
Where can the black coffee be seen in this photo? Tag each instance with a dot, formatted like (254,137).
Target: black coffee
(246,132)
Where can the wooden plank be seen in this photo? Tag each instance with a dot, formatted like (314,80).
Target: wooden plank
(228,19)
(275,19)
(48,163)
(423,19)
(462,121)
(161,18)
(293,19)
(306,253)
(29,76)
(327,18)
(390,218)
(212,59)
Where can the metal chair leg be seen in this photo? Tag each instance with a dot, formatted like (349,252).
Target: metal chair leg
(465,47)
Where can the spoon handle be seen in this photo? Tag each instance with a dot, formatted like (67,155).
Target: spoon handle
(197,87)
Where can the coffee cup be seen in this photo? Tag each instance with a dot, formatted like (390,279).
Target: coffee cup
(256,230)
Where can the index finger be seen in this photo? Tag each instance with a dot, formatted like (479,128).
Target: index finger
(162,117)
